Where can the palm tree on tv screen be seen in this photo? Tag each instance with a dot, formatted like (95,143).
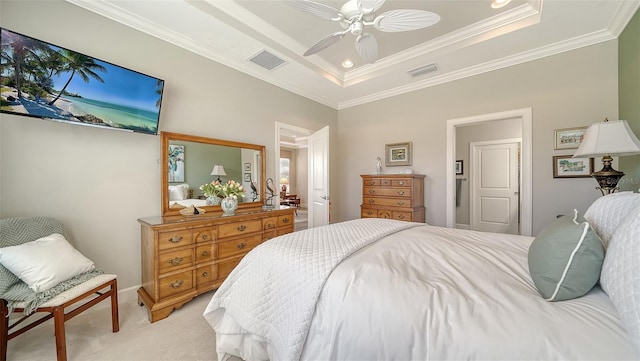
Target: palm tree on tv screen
(82,65)
(21,47)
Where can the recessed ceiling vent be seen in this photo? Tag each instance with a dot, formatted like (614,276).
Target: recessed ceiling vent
(267,60)
(423,70)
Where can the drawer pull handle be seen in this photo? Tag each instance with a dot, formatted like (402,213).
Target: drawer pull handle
(285,220)
(400,183)
(205,253)
(371,183)
(400,193)
(369,213)
(204,236)
(371,191)
(241,245)
(176,261)
(242,228)
(270,225)
(176,284)
(371,201)
(401,203)
(175,239)
(401,216)
(205,274)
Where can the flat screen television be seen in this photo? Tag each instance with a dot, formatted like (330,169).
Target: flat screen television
(42,80)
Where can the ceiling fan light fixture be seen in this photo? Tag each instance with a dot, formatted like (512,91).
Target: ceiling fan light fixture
(497,4)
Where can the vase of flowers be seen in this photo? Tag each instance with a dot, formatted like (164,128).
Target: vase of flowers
(231,191)
(213,192)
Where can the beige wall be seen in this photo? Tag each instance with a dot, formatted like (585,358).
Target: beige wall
(99,182)
(629,103)
(576,88)
(501,129)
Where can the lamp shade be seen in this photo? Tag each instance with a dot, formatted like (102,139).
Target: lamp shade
(608,138)
(218,170)
(284,180)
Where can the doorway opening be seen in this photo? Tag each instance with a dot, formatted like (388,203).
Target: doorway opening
(524,117)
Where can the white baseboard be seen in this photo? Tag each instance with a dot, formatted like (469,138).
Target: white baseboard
(463,226)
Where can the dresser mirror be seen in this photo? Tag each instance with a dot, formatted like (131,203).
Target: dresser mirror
(190,161)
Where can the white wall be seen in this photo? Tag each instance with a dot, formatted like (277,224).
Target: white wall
(99,182)
(576,88)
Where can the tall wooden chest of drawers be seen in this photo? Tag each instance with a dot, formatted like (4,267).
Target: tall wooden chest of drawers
(183,257)
(394,196)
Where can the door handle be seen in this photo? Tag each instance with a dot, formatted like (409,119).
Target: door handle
(326,198)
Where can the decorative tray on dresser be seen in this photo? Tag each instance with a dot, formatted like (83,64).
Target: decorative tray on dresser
(394,196)
(184,256)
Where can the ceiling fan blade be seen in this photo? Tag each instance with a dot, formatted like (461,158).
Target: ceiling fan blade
(367,47)
(405,20)
(314,8)
(369,6)
(325,42)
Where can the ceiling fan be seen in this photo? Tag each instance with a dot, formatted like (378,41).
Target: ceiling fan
(354,15)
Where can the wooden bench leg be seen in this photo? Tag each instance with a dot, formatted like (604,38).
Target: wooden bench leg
(58,324)
(115,320)
(4,330)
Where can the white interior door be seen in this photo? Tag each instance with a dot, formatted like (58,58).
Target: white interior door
(319,178)
(495,186)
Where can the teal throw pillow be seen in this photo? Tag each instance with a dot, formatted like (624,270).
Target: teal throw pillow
(565,259)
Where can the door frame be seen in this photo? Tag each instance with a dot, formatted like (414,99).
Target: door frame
(276,160)
(473,166)
(525,116)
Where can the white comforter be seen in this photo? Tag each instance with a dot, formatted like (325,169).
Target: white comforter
(431,293)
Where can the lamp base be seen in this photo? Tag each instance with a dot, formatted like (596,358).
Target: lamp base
(607,177)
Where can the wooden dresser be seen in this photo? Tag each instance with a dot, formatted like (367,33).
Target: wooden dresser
(184,256)
(395,196)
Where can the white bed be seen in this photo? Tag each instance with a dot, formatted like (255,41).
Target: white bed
(189,202)
(416,293)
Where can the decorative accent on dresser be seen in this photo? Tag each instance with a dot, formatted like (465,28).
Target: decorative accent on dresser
(183,257)
(394,196)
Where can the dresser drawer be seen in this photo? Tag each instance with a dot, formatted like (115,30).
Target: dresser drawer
(372,182)
(224,268)
(204,253)
(204,234)
(173,239)
(390,202)
(239,228)
(174,284)
(387,192)
(284,230)
(238,246)
(368,213)
(206,274)
(269,235)
(269,223)
(285,220)
(174,260)
(401,182)
(402,216)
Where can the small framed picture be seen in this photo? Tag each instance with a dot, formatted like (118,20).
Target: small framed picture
(398,154)
(566,167)
(247,167)
(459,168)
(569,138)
(247,177)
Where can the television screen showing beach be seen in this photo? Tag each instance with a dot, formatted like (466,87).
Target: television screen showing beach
(42,80)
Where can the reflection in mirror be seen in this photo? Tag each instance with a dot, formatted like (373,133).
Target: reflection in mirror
(190,162)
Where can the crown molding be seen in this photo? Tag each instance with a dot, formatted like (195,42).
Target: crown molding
(523,57)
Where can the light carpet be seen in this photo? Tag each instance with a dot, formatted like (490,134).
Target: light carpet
(185,335)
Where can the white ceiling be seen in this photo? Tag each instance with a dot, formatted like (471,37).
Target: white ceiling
(470,39)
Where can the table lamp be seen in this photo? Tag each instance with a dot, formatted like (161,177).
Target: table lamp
(284,181)
(218,170)
(606,139)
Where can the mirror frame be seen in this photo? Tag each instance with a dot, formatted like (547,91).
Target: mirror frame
(166,137)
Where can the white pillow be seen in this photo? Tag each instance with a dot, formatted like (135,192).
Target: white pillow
(606,213)
(620,277)
(178,192)
(45,262)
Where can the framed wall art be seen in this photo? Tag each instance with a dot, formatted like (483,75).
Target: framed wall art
(247,167)
(247,177)
(566,167)
(568,138)
(459,167)
(397,154)
(176,163)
